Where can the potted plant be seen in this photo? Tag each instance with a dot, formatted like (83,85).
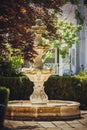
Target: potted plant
(4,96)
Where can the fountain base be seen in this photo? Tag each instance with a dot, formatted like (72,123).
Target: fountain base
(54,110)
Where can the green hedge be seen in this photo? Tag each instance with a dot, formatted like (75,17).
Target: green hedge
(4,97)
(67,88)
(20,87)
(57,88)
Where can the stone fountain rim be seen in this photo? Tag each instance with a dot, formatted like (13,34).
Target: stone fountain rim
(43,112)
(50,103)
(34,71)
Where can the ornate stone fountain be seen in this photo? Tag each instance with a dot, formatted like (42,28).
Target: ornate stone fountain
(38,74)
(39,107)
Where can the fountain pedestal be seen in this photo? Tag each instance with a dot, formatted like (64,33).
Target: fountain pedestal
(38,77)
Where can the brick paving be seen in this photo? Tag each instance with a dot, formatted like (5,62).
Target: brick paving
(77,124)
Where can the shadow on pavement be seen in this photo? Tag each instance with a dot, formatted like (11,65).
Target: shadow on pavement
(26,127)
(5,128)
(20,128)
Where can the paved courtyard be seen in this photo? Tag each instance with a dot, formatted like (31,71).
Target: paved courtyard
(77,124)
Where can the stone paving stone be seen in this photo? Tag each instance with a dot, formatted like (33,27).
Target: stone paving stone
(69,128)
(82,128)
(55,128)
(73,121)
(7,124)
(76,125)
(80,124)
(84,122)
(16,124)
(46,124)
(24,125)
(38,129)
(31,123)
(28,127)
(84,116)
(61,124)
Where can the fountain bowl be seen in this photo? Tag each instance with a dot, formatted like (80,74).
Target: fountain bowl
(53,110)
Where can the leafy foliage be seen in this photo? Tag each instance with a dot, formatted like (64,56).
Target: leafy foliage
(82,73)
(9,68)
(77,1)
(68,36)
(74,1)
(17,18)
(78,13)
(16,62)
(67,33)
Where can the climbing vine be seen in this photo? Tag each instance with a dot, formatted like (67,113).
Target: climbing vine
(78,14)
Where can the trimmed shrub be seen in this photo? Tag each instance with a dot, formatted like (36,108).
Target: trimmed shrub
(72,88)
(79,83)
(4,96)
(59,88)
(20,87)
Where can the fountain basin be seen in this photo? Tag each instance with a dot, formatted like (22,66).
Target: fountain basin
(53,110)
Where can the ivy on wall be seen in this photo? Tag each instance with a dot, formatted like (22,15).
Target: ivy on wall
(78,14)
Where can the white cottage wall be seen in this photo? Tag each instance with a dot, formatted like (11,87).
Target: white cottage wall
(73,59)
(85,47)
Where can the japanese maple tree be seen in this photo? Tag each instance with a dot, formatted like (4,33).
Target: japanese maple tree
(16,20)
